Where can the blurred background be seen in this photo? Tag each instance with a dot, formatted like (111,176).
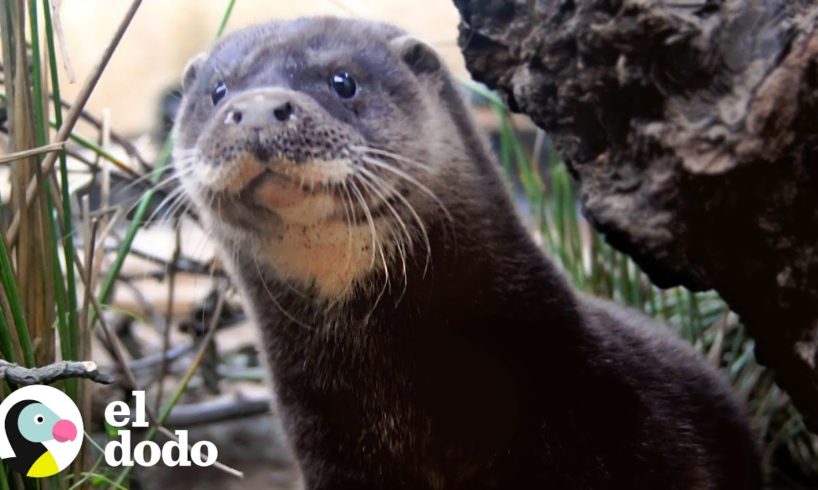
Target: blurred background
(165,35)
(170,323)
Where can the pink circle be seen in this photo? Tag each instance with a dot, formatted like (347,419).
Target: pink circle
(64,430)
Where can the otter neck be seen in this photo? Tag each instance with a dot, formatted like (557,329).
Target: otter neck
(424,359)
(473,254)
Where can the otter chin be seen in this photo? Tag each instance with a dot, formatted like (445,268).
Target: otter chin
(417,337)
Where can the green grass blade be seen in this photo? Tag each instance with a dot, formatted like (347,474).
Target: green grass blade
(8,280)
(5,340)
(36,75)
(70,350)
(225,18)
(4,480)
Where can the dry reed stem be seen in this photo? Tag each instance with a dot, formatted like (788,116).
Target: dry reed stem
(74,114)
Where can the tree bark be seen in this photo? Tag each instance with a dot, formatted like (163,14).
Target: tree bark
(691,127)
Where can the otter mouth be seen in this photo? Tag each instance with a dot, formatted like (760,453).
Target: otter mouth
(267,175)
(261,152)
(265,154)
(260,183)
(346,207)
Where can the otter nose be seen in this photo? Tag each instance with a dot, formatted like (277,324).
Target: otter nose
(260,112)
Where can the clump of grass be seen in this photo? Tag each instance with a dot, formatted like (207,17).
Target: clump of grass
(52,296)
(790,451)
(39,295)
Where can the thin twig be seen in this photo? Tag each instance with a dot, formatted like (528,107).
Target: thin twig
(120,140)
(184,264)
(171,271)
(52,373)
(147,307)
(152,360)
(66,57)
(218,465)
(90,230)
(32,152)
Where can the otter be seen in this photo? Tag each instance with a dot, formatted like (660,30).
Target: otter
(416,335)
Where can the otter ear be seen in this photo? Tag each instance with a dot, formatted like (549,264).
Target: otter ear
(420,57)
(192,70)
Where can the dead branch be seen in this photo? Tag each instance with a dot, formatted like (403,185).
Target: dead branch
(52,373)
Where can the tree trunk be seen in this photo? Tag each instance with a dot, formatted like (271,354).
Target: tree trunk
(692,128)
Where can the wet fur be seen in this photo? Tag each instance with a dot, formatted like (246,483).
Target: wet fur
(477,366)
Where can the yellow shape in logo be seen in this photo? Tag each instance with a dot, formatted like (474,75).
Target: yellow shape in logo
(45,465)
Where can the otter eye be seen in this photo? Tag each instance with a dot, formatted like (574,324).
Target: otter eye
(39,419)
(343,84)
(219,91)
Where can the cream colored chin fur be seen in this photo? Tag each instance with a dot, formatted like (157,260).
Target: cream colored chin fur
(316,245)
(331,256)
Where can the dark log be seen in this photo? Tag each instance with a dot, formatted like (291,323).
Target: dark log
(692,129)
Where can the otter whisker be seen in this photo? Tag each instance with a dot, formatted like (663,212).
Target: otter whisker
(171,199)
(174,177)
(383,190)
(374,185)
(142,178)
(231,250)
(275,301)
(368,214)
(176,209)
(234,248)
(153,187)
(174,172)
(183,151)
(386,277)
(408,178)
(199,254)
(416,163)
(348,210)
(376,241)
(394,156)
(399,242)
(177,176)
(415,215)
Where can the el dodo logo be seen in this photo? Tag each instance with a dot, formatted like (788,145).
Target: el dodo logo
(42,431)
(42,434)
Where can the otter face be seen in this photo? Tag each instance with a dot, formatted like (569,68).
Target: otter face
(305,140)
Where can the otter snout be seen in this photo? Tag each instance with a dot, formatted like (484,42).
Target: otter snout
(260,117)
(274,127)
(261,110)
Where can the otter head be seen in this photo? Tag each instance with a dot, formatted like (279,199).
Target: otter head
(309,145)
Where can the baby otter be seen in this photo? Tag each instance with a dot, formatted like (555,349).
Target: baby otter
(417,337)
